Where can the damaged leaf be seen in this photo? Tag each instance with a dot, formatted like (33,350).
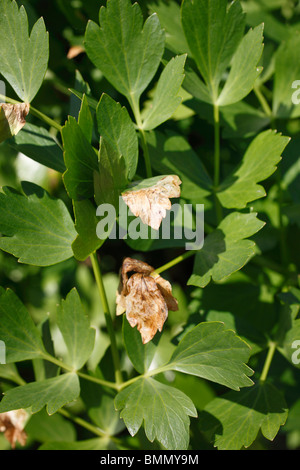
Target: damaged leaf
(12,119)
(150,199)
(146,298)
(12,425)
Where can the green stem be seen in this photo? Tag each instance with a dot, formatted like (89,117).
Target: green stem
(90,427)
(174,261)
(263,102)
(81,422)
(217,162)
(148,374)
(107,315)
(138,119)
(98,381)
(91,378)
(183,257)
(146,153)
(35,112)
(268,361)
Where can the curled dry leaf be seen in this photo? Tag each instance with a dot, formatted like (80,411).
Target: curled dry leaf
(12,119)
(151,203)
(12,425)
(145,298)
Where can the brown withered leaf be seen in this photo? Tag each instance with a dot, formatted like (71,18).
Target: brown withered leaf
(12,425)
(166,290)
(146,298)
(12,119)
(151,203)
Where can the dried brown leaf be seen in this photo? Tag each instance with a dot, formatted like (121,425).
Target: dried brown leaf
(166,290)
(12,425)
(12,119)
(151,203)
(145,306)
(144,297)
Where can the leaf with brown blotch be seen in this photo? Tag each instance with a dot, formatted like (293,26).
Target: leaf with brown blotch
(150,199)
(12,425)
(12,119)
(146,298)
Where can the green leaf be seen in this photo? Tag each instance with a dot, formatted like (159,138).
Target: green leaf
(127,53)
(75,327)
(23,58)
(288,336)
(38,229)
(235,419)
(80,160)
(85,119)
(213,353)
(86,222)
(244,70)
(241,120)
(38,144)
(10,372)
(99,405)
(81,89)
(291,344)
(21,337)
(166,98)
(116,127)
(287,71)
(165,411)
(169,17)
(92,102)
(54,393)
(225,250)
(141,355)
(111,179)
(259,162)
(44,428)
(213,33)
(170,153)
(293,421)
(194,85)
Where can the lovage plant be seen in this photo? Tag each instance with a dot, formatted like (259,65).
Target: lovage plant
(124,323)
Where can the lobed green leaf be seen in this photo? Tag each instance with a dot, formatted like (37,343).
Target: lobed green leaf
(259,162)
(36,228)
(225,250)
(234,419)
(213,353)
(164,410)
(53,393)
(23,58)
(127,53)
(75,327)
(21,337)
